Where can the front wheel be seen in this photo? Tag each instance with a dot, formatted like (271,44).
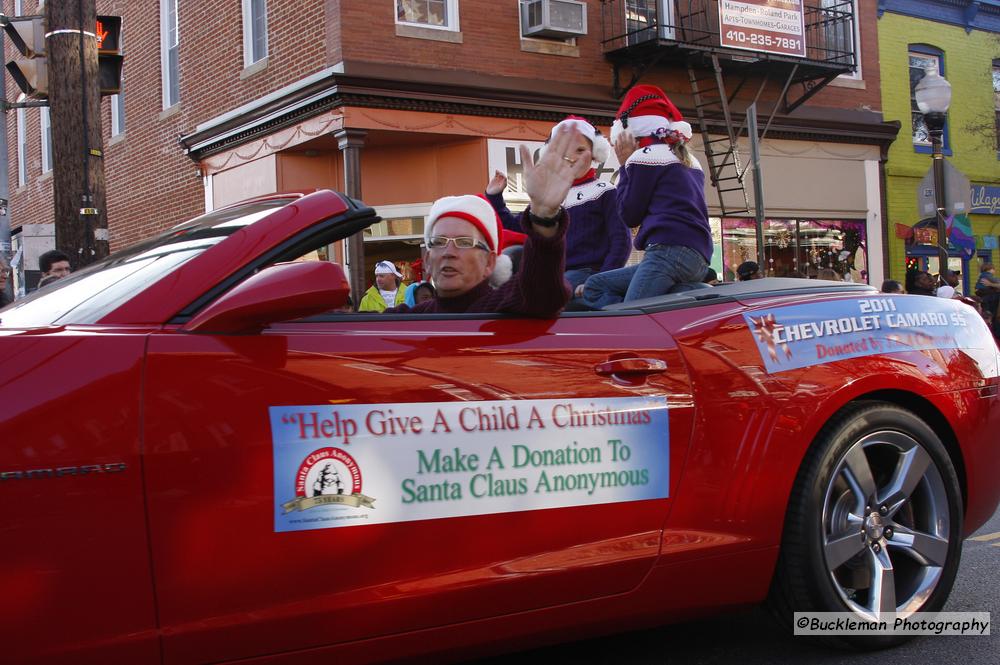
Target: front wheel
(874,522)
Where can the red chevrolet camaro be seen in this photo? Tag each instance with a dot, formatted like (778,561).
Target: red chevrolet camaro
(203,461)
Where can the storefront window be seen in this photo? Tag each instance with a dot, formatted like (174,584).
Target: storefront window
(401,228)
(811,248)
(922,252)
(396,239)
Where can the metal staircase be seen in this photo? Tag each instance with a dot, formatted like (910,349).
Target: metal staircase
(721,150)
(693,22)
(641,35)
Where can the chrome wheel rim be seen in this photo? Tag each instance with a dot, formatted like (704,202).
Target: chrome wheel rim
(885,526)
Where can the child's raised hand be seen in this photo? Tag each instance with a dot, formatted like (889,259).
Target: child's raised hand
(548,181)
(625,145)
(497,183)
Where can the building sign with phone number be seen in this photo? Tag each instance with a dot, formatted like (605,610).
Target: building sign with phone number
(770,26)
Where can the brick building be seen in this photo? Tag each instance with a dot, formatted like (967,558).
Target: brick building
(964,47)
(424,98)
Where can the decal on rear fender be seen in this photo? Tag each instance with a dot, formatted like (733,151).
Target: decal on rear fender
(346,465)
(63,471)
(813,334)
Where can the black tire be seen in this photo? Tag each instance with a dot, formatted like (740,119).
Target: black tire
(816,571)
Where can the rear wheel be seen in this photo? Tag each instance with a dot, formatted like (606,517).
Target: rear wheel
(874,522)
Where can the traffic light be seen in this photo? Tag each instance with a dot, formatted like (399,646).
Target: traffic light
(30,72)
(109,54)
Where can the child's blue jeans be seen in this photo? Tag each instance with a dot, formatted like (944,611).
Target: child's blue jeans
(663,267)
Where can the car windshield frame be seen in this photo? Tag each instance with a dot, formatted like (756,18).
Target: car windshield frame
(85,296)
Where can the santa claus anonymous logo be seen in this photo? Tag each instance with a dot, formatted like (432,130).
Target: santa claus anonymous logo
(328,477)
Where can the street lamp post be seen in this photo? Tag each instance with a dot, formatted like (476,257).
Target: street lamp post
(933,95)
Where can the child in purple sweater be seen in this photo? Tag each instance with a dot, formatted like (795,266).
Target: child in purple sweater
(596,240)
(661,189)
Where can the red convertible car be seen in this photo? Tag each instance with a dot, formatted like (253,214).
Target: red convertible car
(204,462)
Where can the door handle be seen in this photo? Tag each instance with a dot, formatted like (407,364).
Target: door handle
(631,367)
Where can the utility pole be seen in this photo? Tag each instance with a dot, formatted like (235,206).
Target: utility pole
(81,220)
(758,186)
(5,240)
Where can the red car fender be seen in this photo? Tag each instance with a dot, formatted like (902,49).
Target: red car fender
(753,428)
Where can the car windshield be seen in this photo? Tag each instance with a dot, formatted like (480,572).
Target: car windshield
(89,294)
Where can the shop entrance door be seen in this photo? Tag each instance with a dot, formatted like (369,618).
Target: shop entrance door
(926,258)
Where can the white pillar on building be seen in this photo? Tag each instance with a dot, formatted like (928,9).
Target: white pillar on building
(874,223)
(206,180)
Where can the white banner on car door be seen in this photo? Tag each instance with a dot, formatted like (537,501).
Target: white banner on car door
(346,465)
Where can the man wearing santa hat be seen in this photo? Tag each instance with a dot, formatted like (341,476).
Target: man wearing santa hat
(597,240)
(661,189)
(463,237)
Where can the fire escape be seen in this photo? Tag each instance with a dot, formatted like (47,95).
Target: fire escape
(638,35)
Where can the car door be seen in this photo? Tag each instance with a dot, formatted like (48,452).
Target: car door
(74,563)
(352,476)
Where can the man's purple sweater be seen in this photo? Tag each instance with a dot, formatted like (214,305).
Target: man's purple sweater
(665,199)
(537,289)
(596,238)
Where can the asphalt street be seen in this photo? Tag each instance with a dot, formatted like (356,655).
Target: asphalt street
(753,638)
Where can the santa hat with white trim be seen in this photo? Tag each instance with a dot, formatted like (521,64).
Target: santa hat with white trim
(647,111)
(476,210)
(601,148)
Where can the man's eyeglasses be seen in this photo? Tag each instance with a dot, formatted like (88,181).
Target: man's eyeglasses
(461,242)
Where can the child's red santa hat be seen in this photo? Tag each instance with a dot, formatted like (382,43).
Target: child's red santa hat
(647,111)
(476,210)
(601,149)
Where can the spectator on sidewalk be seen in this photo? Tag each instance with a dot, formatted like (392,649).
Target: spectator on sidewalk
(385,292)
(4,278)
(55,264)
(424,292)
(747,271)
(920,283)
(988,282)
(891,286)
(988,288)
(949,284)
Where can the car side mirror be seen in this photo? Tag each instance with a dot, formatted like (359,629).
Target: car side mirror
(280,292)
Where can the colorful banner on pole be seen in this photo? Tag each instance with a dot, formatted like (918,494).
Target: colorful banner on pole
(347,465)
(805,335)
(768,26)
(960,233)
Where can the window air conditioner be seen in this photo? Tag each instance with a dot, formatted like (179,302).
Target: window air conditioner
(553,18)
